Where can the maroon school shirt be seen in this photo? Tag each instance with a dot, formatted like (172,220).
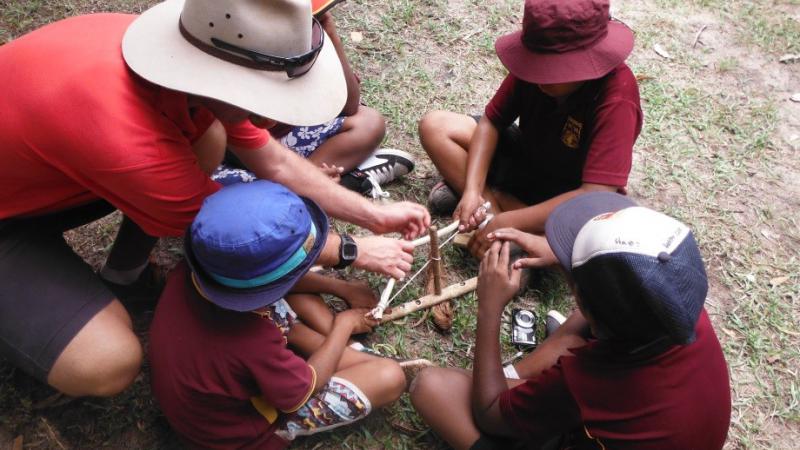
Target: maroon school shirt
(208,364)
(588,138)
(679,399)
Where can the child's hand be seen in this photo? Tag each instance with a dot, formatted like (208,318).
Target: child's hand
(359,295)
(479,243)
(357,319)
(539,252)
(334,172)
(497,284)
(469,212)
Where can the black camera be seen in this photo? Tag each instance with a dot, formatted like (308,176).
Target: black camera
(523,327)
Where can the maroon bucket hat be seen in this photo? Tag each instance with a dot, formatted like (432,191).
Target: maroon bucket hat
(562,41)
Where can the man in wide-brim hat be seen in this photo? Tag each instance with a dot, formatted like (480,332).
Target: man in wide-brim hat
(578,112)
(105,112)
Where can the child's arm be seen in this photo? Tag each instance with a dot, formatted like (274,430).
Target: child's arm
(357,294)
(479,157)
(530,219)
(496,286)
(326,358)
(353,88)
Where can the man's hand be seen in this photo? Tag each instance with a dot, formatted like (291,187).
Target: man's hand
(409,219)
(357,320)
(392,257)
(358,294)
(479,243)
(469,212)
(496,283)
(539,252)
(333,172)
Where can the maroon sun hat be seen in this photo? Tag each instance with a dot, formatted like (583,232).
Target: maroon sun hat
(562,41)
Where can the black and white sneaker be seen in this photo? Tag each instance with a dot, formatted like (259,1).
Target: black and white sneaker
(381,168)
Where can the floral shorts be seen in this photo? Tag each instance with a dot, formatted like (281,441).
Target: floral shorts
(339,403)
(302,140)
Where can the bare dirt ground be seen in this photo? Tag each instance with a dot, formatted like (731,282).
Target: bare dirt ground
(720,149)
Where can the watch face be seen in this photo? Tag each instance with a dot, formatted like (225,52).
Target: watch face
(349,251)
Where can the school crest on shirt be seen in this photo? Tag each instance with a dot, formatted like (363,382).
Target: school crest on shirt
(571,134)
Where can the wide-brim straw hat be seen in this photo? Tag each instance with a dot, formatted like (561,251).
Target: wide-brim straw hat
(157,47)
(563,41)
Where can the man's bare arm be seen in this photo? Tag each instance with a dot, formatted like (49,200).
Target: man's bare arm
(276,163)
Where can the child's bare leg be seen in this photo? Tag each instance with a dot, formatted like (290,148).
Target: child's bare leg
(316,283)
(306,341)
(360,135)
(312,311)
(445,136)
(442,396)
(357,294)
(380,379)
(504,201)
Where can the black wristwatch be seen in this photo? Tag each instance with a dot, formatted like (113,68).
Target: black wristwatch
(348,251)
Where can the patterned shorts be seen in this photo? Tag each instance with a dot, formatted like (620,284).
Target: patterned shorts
(339,403)
(302,140)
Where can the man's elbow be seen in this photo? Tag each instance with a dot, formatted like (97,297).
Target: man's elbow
(268,162)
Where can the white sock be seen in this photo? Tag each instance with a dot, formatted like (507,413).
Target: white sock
(123,277)
(510,372)
(357,346)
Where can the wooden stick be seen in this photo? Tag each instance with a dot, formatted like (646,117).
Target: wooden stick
(444,231)
(436,261)
(377,312)
(697,36)
(448,293)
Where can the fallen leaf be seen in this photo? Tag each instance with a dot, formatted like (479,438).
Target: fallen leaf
(795,97)
(790,58)
(661,51)
(17,445)
(356,36)
(777,281)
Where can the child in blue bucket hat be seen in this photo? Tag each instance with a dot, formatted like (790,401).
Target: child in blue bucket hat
(221,368)
(637,366)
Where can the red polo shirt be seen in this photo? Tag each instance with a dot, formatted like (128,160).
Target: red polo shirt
(586,138)
(679,399)
(76,126)
(209,364)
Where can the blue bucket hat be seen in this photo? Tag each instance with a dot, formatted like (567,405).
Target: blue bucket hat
(251,242)
(638,272)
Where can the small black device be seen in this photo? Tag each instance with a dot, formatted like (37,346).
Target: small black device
(348,251)
(523,327)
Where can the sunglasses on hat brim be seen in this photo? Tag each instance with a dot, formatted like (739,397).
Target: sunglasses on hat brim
(294,66)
